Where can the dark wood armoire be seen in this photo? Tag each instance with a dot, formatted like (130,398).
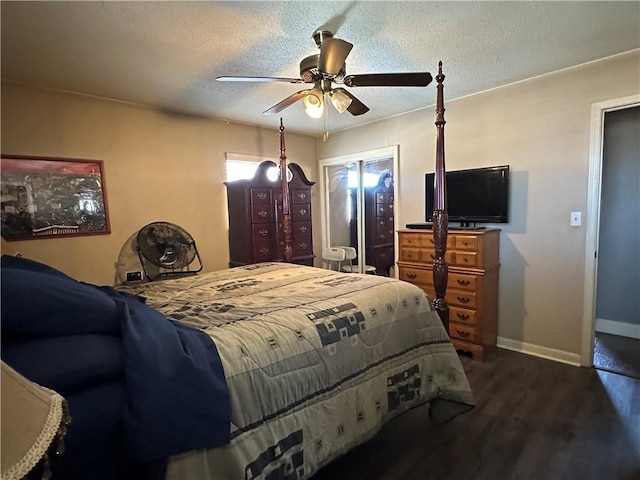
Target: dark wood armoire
(255,217)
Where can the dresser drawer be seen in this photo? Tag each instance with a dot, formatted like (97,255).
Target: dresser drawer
(462,281)
(428,241)
(464,259)
(461,315)
(410,240)
(261,213)
(384,236)
(384,210)
(301,230)
(262,252)
(301,212)
(302,248)
(260,196)
(416,276)
(428,256)
(384,197)
(384,255)
(384,223)
(462,332)
(300,196)
(464,242)
(262,231)
(462,299)
(410,254)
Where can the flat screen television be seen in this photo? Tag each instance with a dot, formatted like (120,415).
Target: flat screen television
(477,195)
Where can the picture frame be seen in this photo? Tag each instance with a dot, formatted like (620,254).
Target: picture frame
(50,197)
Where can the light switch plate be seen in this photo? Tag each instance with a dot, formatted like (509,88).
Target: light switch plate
(576,219)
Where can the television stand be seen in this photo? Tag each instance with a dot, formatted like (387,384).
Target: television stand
(464,225)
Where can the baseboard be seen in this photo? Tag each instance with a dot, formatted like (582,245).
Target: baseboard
(539,351)
(624,329)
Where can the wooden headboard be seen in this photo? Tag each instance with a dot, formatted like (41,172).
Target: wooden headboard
(440,217)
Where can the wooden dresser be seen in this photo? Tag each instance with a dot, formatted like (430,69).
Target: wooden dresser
(472,286)
(255,218)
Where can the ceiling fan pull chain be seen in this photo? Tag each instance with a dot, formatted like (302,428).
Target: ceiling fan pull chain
(325,117)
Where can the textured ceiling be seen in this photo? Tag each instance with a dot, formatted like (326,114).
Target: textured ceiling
(168,54)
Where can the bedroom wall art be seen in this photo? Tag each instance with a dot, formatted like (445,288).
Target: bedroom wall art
(45,197)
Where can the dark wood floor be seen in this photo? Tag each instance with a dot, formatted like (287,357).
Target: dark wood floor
(535,419)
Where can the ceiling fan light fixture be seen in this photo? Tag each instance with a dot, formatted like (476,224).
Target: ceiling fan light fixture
(313,105)
(340,100)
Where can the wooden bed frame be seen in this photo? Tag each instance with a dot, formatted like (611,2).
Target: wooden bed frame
(440,216)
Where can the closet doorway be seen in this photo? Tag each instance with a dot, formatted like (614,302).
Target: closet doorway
(357,198)
(602,250)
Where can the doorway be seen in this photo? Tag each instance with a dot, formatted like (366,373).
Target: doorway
(357,198)
(607,238)
(617,326)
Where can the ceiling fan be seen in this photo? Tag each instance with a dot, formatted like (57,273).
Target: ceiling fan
(326,68)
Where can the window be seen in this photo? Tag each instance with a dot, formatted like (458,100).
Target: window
(242,167)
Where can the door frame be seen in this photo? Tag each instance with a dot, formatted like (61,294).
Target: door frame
(594,186)
(382,152)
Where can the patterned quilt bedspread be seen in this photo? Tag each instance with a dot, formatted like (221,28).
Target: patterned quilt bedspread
(316,362)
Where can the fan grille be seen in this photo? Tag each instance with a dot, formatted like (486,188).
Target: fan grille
(166,245)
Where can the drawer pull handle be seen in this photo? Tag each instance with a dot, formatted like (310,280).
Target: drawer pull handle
(463,316)
(464,282)
(302,211)
(411,275)
(264,250)
(264,232)
(302,228)
(463,299)
(263,213)
(262,195)
(303,246)
(463,334)
(302,196)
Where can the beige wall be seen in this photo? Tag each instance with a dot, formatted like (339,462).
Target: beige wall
(164,166)
(541,128)
(159,166)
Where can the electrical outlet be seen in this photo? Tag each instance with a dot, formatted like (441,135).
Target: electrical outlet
(576,219)
(134,276)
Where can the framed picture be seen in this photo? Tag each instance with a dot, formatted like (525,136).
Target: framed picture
(43,197)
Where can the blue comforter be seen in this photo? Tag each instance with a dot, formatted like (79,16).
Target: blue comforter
(140,387)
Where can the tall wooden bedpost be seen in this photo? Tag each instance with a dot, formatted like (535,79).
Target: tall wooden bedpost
(440,216)
(286,214)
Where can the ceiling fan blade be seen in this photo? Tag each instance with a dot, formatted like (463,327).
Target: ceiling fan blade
(333,53)
(356,107)
(287,102)
(259,79)
(420,79)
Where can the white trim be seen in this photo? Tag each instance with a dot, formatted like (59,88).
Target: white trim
(624,329)
(539,351)
(323,181)
(593,217)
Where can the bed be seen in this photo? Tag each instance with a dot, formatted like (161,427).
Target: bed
(265,371)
